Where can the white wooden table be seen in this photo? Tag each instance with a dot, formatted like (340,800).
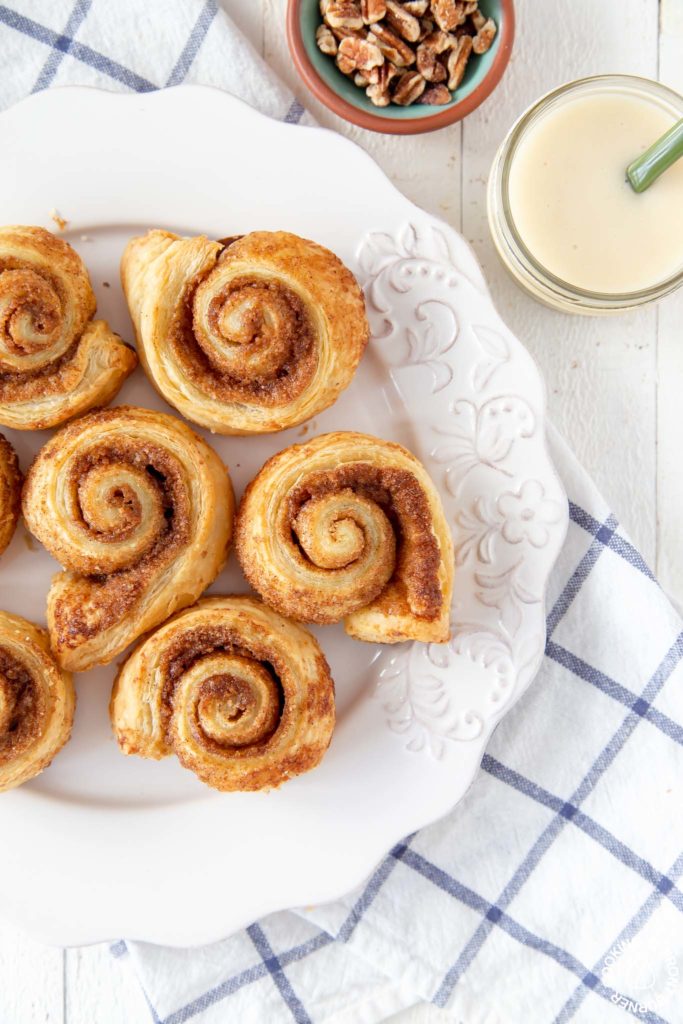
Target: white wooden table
(615,386)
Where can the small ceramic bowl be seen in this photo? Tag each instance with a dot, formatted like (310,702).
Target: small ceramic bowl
(342,97)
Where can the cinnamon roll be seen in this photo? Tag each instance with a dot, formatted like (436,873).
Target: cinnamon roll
(10,492)
(139,510)
(56,362)
(243,697)
(248,335)
(37,702)
(349,527)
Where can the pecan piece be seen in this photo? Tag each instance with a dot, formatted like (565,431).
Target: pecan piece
(478,20)
(457,61)
(359,55)
(436,95)
(393,48)
(418,8)
(344,14)
(326,42)
(484,37)
(402,22)
(372,10)
(426,27)
(448,14)
(377,95)
(439,41)
(427,64)
(371,77)
(347,33)
(378,89)
(409,88)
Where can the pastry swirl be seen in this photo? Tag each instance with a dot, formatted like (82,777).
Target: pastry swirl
(244,336)
(10,492)
(56,362)
(349,527)
(37,702)
(139,511)
(243,697)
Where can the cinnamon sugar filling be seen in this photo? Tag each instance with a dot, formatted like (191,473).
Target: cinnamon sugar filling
(228,693)
(399,495)
(22,707)
(281,330)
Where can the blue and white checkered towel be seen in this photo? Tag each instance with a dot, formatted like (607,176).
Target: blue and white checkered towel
(552,892)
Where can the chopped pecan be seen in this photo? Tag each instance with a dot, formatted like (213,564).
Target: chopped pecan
(439,41)
(346,66)
(372,10)
(359,54)
(448,14)
(484,37)
(378,90)
(344,14)
(377,95)
(409,88)
(347,33)
(393,48)
(371,77)
(427,63)
(436,95)
(402,22)
(423,44)
(457,62)
(326,42)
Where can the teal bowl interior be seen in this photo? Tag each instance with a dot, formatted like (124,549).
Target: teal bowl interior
(477,67)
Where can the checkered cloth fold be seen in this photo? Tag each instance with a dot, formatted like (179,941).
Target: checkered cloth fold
(552,892)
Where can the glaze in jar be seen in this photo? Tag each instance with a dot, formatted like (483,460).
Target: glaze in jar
(564,219)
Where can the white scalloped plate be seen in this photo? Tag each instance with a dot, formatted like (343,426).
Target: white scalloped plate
(102,846)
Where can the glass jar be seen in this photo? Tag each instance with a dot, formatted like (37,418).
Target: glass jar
(526,268)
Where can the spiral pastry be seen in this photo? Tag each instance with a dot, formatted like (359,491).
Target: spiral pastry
(244,336)
(10,492)
(243,697)
(56,362)
(139,510)
(37,702)
(349,527)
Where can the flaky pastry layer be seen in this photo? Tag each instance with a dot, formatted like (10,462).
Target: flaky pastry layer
(139,511)
(242,696)
(347,526)
(37,702)
(56,362)
(10,492)
(244,336)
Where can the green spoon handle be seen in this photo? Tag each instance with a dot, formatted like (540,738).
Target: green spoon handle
(655,160)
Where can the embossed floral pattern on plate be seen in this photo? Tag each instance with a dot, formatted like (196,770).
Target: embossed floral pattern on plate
(477,401)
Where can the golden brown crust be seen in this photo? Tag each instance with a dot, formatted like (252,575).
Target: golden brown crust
(10,492)
(139,510)
(347,526)
(243,697)
(37,702)
(246,335)
(56,362)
